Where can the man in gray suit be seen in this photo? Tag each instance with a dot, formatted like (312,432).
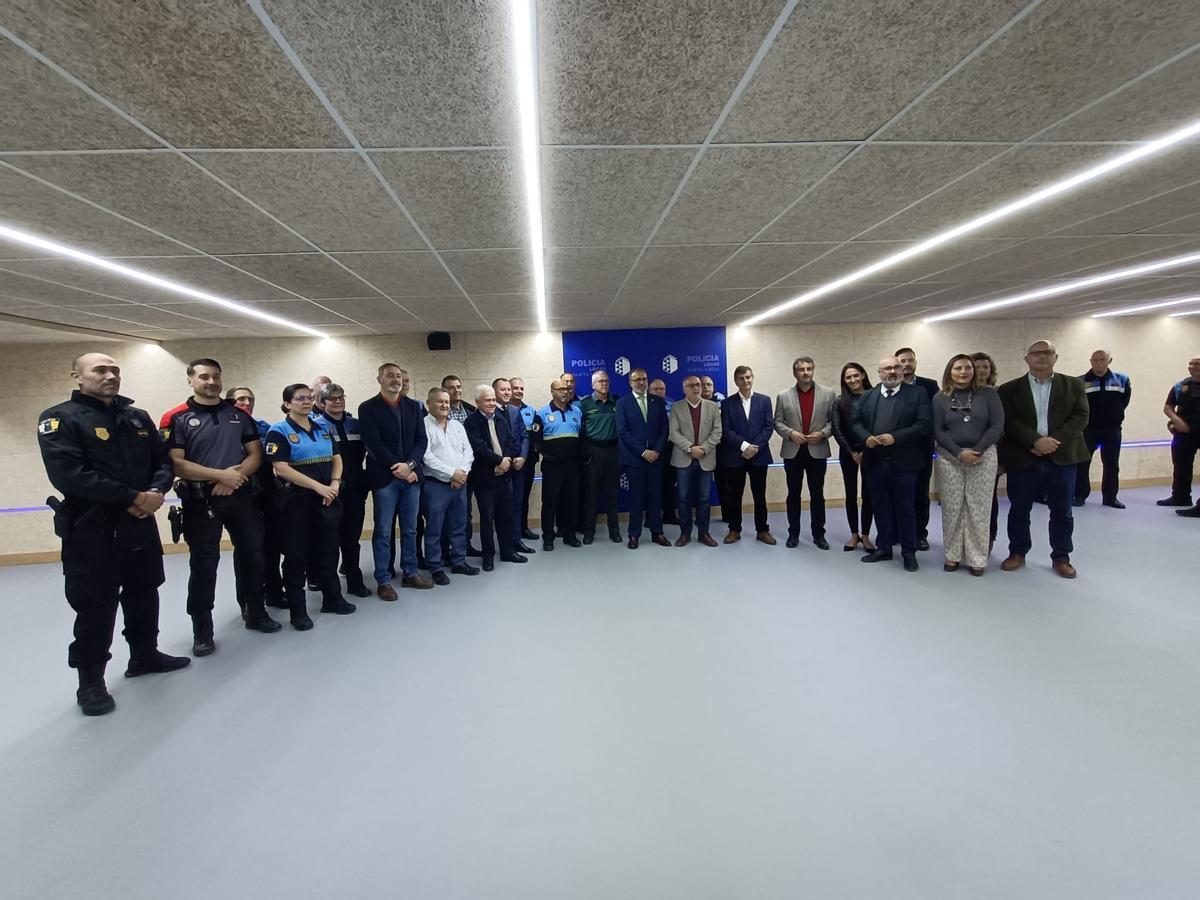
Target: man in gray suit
(695,433)
(803,420)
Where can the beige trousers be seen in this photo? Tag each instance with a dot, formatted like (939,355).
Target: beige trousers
(966,495)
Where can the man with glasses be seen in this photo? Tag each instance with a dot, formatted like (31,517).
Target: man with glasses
(642,432)
(600,435)
(694,431)
(558,429)
(893,423)
(460,409)
(1045,414)
(347,433)
(523,479)
(217,453)
(908,371)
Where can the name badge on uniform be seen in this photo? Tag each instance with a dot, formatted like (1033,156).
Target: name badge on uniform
(102,432)
(195,423)
(48,426)
(294,438)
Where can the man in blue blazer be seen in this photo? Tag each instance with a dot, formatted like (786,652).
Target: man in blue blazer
(520,465)
(893,423)
(495,447)
(747,424)
(641,442)
(393,432)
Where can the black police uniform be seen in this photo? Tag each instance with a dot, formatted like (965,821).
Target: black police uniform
(1185,397)
(352,495)
(216,436)
(101,457)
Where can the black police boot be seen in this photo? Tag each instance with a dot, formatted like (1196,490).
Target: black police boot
(150,660)
(93,696)
(356,587)
(299,610)
(202,629)
(339,605)
(257,618)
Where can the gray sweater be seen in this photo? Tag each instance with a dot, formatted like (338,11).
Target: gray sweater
(953,435)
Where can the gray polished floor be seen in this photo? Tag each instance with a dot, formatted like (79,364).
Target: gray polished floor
(744,722)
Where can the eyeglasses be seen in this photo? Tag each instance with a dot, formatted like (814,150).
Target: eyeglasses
(888,368)
(302,399)
(338,399)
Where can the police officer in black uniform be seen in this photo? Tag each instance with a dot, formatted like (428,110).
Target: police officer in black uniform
(1182,410)
(217,452)
(106,457)
(353,495)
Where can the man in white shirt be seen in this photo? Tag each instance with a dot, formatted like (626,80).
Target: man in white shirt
(447,463)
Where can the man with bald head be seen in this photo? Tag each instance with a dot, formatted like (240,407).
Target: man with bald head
(112,466)
(893,423)
(558,431)
(1108,394)
(1045,414)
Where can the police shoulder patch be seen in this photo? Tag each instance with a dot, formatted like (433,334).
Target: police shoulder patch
(272,447)
(48,426)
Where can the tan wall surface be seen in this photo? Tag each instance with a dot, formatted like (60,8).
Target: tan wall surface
(1153,351)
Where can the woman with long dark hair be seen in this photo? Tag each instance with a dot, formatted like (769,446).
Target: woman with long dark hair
(987,376)
(307,460)
(853,384)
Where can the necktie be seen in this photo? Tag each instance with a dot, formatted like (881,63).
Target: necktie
(495,440)
(642,406)
(887,393)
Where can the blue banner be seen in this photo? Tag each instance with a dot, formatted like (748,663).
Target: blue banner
(667,353)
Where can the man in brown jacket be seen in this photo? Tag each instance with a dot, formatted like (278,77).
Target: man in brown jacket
(1044,417)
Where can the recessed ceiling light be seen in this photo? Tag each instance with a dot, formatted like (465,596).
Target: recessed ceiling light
(1145,307)
(524,22)
(166,284)
(1066,287)
(1003,212)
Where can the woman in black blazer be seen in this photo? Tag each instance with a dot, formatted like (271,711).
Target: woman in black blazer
(854,382)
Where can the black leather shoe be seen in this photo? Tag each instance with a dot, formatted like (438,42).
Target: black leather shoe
(547,546)
(359,590)
(204,645)
(588,539)
(922,544)
(528,535)
(792,542)
(910,563)
(471,551)
(571,542)
(260,621)
(464,569)
(523,548)
(341,607)
(615,537)
(1193,513)
(877,556)
(633,543)
(820,543)
(1174,501)
(154,662)
(93,696)
(514,558)
(1077,502)
(440,577)
(489,565)
(301,621)
(1114,503)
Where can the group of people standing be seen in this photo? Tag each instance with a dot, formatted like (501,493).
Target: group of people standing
(431,468)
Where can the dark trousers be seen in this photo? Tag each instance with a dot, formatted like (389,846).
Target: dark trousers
(107,565)
(272,549)
(603,473)
(354,512)
(525,476)
(670,515)
(994,525)
(796,469)
(493,496)
(645,496)
(560,498)
(921,498)
(893,495)
(735,486)
(720,478)
(445,511)
(692,487)
(850,484)
(310,545)
(203,521)
(1057,485)
(1183,458)
(1109,442)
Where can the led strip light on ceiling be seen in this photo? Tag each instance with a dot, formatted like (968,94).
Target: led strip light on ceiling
(1146,307)
(1190,312)
(166,284)
(1067,287)
(524,23)
(1140,152)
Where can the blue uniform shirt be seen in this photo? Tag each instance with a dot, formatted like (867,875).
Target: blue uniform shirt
(310,452)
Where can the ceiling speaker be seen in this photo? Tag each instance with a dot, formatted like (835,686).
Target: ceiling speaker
(438,340)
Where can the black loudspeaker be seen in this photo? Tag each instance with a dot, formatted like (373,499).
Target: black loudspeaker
(438,340)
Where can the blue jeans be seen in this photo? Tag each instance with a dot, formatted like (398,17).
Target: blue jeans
(692,486)
(1058,483)
(445,510)
(404,499)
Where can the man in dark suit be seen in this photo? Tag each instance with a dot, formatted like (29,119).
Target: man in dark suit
(393,432)
(520,463)
(908,372)
(1045,414)
(747,424)
(641,442)
(893,423)
(495,447)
